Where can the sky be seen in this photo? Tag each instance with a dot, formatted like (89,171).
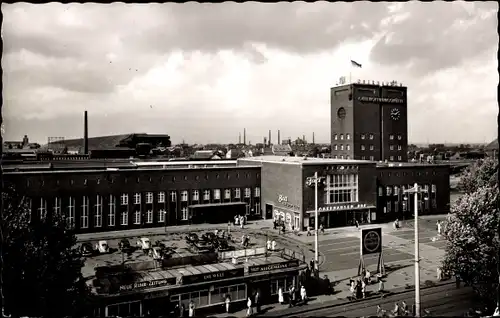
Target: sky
(203,72)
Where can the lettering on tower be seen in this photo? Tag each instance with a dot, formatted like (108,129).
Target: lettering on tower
(387,100)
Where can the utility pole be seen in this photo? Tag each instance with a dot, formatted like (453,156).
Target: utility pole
(497,310)
(416,190)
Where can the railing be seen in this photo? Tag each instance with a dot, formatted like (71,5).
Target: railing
(291,254)
(242,253)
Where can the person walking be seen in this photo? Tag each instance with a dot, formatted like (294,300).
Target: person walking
(380,286)
(309,231)
(273,245)
(363,288)
(303,294)
(311,263)
(268,244)
(257,302)
(281,300)
(191,309)
(404,308)
(290,297)
(228,302)
(249,307)
(321,229)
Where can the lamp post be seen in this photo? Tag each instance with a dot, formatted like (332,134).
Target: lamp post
(416,190)
(310,181)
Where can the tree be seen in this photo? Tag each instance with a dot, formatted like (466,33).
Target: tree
(471,231)
(41,268)
(482,173)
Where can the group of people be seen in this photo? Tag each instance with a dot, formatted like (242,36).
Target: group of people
(398,311)
(271,245)
(182,309)
(257,304)
(358,287)
(240,220)
(321,230)
(294,295)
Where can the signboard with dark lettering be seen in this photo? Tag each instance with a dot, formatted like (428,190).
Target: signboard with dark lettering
(191,279)
(388,100)
(371,241)
(272,267)
(148,284)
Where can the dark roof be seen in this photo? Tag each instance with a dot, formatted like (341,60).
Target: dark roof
(103,142)
(492,145)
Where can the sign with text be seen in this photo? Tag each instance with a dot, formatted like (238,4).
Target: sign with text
(272,267)
(283,200)
(369,99)
(148,284)
(371,241)
(191,279)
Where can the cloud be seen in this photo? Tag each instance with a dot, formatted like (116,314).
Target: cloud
(202,72)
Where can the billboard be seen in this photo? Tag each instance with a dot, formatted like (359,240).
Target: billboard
(371,241)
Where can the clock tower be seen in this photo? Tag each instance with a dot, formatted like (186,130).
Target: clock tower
(369,122)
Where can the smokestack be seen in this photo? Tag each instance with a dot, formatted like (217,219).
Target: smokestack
(304,138)
(239,139)
(85,134)
(269,140)
(279,140)
(244,136)
(313,138)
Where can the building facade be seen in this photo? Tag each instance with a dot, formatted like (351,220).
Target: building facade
(369,122)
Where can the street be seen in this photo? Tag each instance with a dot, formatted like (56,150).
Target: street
(444,300)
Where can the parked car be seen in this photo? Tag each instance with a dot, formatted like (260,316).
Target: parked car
(156,253)
(209,236)
(159,244)
(144,243)
(192,238)
(86,249)
(124,245)
(102,247)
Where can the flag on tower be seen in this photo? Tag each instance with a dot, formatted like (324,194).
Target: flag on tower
(355,64)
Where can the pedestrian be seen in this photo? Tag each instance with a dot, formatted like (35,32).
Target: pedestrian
(228,227)
(290,297)
(257,301)
(404,308)
(328,285)
(283,228)
(191,309)
(353,288)
(236,220)
(294,295)
(275,224)
(182,309)
(368,277)
(241,223)
(309,231)
(321,229)
(356,223)
(249,307)
(281,300)
(438,225)
(273,245)
(228,302)
(396,310)
(457,281)
(303,294)
(439,274)
(363,288)
(380,286)
(311,263)
(268,244)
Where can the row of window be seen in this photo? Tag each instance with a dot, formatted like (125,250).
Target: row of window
(363,147)
(365,136)
(399,190)
(215,296)
(342,157)
(341,188)
(195,195)
(395,206)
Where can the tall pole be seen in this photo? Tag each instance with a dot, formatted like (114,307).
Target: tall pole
(417,257)
(316,257)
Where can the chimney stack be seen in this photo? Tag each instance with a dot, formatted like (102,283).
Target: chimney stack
(85,134)
(269,140)
(313,138)
(279,140)
(239,139)
(304,138)
(244,136)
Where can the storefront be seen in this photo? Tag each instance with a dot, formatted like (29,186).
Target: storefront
(343,215)
(158,292)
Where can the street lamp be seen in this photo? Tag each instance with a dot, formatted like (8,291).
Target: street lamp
(310,181)
(416,190)
(165,220)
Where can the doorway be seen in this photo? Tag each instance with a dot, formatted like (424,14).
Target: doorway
(269,211)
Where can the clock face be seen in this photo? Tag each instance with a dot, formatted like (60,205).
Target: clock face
(341,113)
(395,114)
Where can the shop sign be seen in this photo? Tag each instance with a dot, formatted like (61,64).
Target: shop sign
(387,100)
(342,207)
(148,284)
(371,241)
(191,279)
(272,267)
(283,200)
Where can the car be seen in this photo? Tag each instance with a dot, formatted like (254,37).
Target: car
(124,245)
(144,243)
(102,246)
(156,253)
(86,249)
(209,236)
(192,238)
(160,244)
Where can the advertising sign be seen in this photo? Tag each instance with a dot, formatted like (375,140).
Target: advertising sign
(148,284)
(283,200)
(371,241)
(387,100)
(272,267)
(190,279)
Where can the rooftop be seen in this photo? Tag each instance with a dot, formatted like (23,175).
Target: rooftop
(305,160)
(409,164)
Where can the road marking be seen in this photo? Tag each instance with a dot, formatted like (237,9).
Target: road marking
(342,248)
(370,255)
(343,242)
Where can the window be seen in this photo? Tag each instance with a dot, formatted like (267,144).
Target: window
(161,216)
(124,199)
(371,136)
(391,147)
(84,217)
(433,188)
(206,195)
(341,188)
(363,136)
(184,214)
(341,136)
(98,211)
(391,158)
(388,206)
(42,210)
(400,137)
(348,157)
(348,147)
(399,147)
(227,194)
(342,157)
(149,216)
(400,158)
(237,193)
(184,196)
(129,309)
(112,210)
(137,198)
(137,216)
(391,137)
(363,157)
(348,136)
(216,194)
(380,191)
(341,147)
(363,147)
(257,208)
(248,192)
(161,197)
(196,195)
(124,217)
(335,147)
(335,157)
(57,206)
(70,216)
(173,196)
(372,158)
(371,147)
(335,137)
(396,190)
(149,197)
(389,190)
(257,192)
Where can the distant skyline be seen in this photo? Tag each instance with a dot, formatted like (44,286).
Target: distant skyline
(203,72)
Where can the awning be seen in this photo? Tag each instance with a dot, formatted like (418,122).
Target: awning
(343,207)
(216,204)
